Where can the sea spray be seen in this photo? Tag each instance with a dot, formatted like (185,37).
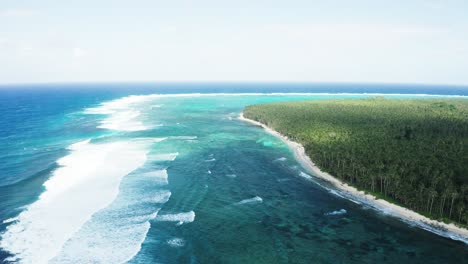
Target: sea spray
(163,157)
(159,176)
(115,234)
(181,218)
(337,212)
(176,242)
(253,200)
(86,182)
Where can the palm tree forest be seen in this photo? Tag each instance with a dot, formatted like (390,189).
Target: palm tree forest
(410,152)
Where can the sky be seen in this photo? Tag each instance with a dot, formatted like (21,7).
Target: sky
(376,41)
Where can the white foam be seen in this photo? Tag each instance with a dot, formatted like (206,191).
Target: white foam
(163,157)
(158,175)
(305,175)
(87,182)
(253,200)
(231,175)
(122,114)
(142,98)
(335,193)
(115,234)
(176,242)
(281,159)
(355,201)
(346,196)
(157,199)
(182,218)
(148,140)
(118,104)
(10,220)
(210,160)
(118,246)
(97,111)
(123,121)
(337,212)
(77,145)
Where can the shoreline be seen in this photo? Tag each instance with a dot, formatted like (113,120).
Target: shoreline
(440,228)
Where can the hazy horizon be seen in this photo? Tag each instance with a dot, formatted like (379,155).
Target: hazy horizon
(421,42)
(227,82)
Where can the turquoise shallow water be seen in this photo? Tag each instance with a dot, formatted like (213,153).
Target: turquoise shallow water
(178,179)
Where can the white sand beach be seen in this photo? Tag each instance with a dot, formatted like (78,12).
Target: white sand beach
(447,230)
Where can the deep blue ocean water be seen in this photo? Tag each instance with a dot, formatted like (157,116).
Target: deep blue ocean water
(178,179)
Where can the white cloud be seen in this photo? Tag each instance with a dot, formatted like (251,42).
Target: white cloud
(352,31)
(16,13)
(79,52)
(26,50)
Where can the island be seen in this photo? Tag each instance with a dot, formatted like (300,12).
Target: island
(409,155)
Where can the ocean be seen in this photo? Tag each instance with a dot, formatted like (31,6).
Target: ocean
(165,173)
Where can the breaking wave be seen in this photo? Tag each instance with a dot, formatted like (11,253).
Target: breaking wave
(253,200)
(163,157)
(176,242)
(337,212)
(87,179)
(122,114)
(180,218)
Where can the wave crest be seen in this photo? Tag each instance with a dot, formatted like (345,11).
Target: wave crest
(337,212)
(256,199)
(87,179)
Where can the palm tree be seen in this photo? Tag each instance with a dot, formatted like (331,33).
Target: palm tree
(454,196)
(433,195)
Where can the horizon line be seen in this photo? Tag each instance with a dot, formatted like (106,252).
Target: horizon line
(208,82)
